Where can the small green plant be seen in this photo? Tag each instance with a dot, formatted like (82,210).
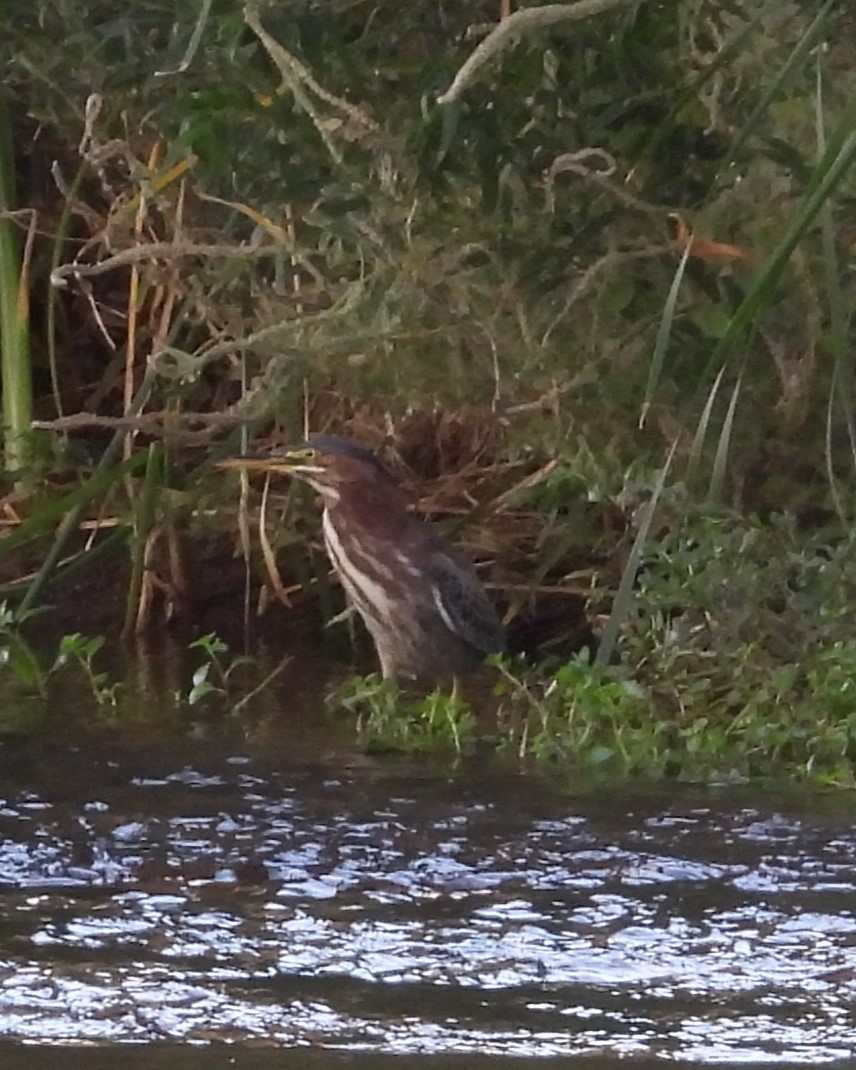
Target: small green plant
(80,650)
(212,677)
(389,719)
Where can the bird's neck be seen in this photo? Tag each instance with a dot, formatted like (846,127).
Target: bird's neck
(381,510)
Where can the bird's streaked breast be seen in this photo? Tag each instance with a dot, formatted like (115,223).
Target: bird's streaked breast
(368,595)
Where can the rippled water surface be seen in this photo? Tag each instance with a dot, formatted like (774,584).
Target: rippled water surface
(308,904)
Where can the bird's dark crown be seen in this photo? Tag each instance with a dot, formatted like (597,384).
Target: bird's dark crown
(339,446)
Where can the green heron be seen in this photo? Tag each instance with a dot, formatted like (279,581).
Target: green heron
(419,596)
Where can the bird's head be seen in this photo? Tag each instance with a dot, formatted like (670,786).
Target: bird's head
(330,464)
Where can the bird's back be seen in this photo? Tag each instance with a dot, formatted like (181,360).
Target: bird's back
(456,592)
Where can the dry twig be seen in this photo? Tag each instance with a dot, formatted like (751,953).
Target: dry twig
(508,33)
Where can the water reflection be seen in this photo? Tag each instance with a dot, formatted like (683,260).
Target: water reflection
(305,898)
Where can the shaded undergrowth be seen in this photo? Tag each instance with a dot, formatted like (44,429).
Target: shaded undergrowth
(734,660)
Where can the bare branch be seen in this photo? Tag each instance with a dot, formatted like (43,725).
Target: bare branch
(507,33)
(297,77)
(163,250)
(187,427)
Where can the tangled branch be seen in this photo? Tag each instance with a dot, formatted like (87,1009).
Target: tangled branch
(510,31)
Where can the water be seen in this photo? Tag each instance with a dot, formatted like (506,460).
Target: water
(267,887)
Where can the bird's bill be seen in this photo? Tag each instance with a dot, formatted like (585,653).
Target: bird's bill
(248,463)
(294,462)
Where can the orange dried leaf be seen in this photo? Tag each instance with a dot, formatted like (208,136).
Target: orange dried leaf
(707,248)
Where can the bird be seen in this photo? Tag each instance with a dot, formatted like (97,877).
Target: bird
(418,594)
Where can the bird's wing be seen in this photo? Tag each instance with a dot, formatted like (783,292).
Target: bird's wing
(460,600)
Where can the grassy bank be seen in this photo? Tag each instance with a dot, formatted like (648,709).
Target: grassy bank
(587,284)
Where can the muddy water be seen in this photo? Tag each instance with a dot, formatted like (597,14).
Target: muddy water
(264,885)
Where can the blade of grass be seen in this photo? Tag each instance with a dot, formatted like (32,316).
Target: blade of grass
(49,513)
(113,538)
(828,451)
(842,379)
(834,165)
(703,424)
(795,60)
(624,594)
(663,334)
(14,313)
(720,461)
(193,44)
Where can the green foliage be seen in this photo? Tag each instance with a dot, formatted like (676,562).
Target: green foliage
(389,719)
(17,657)
(584,717)
(741,634)
(548,183)
(735,661)
(80,650)
(214,675)
(762,721)
(27,668)
(27,671)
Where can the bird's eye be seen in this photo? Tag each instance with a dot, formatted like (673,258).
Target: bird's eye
(307,454)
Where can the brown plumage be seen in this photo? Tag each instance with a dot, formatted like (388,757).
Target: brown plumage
(419,596)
